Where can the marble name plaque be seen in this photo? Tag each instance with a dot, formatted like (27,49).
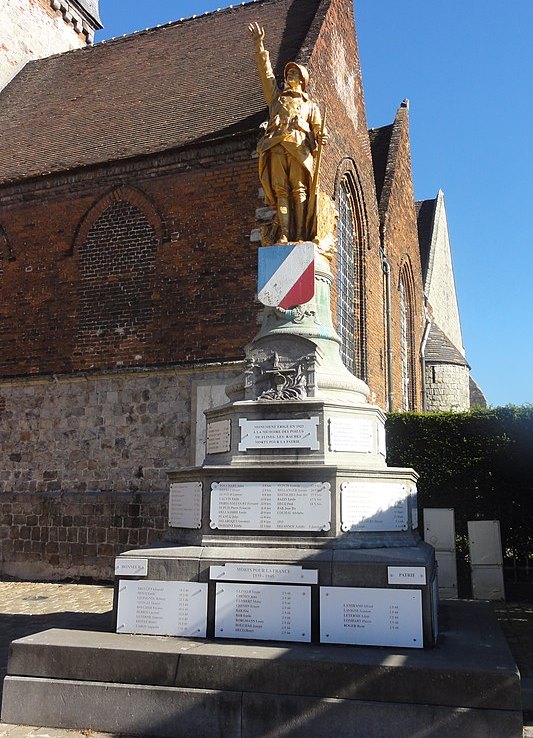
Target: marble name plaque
(374,506)
(297,433)
(354,435)
(406,575)
(131,567)
(185,505)
(218,438)
(292,506)
(371,617)
(263,611)
(162,608)
(288,574)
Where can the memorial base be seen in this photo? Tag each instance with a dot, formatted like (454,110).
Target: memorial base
(375,583)
(140,685)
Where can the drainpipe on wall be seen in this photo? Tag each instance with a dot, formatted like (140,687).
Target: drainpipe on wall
(388,330)
(427,328)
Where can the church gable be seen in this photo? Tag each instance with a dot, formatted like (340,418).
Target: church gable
(436,257)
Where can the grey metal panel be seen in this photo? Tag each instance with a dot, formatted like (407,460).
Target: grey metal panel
(439,528)
(485,544)
(487,583)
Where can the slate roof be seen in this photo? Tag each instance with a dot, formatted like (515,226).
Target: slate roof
(90,7)
(425,217)
(156,90)
(380,139)
(477,398)
(440,350)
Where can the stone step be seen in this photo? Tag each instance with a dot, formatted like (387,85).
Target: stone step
(159,686)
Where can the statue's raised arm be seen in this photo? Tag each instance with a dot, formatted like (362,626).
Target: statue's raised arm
(289,145)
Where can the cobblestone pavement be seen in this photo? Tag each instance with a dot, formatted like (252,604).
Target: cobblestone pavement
(30,607)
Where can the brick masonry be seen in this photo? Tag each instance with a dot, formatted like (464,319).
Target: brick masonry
(118,279)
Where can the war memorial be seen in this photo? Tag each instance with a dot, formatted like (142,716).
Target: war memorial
(292,594)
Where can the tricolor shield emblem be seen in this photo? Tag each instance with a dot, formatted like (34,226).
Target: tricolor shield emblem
(286,275)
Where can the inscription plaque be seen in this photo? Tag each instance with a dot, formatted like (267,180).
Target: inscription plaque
(374,506)
(351,434)
(263,611)
(218,439)
(271,505)
(371,617)
(131,567)
(162,608)
(264,572)
(298,433)
(406,575)
(185,505)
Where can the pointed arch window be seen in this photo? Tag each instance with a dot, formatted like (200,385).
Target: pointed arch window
(116,249)
(407,344)
(350,282)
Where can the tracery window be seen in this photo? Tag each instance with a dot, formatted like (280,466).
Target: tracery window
(350,284)
(407,349)
(346,278)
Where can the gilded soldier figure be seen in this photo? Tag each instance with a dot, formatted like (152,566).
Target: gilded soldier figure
(289,146)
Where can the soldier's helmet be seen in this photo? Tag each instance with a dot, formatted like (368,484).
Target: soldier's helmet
(304,74)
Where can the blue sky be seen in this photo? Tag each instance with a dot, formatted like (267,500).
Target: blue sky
(466,69)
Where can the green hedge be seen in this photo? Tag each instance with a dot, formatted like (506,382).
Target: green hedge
(478,462)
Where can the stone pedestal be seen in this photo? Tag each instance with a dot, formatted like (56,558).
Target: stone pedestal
(295,477)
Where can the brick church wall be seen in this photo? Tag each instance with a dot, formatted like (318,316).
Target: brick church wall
(117,282)
(32,29)
(400,237)
(336,58)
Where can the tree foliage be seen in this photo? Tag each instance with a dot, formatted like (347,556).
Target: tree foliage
(478,462)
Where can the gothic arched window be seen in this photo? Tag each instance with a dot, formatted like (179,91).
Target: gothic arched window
(407,344)
(117,258)
(350,282)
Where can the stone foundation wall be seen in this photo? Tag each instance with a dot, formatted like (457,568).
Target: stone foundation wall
(59,535)
(447,387)
(84,462)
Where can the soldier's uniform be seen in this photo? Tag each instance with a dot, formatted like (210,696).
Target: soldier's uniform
(286,160)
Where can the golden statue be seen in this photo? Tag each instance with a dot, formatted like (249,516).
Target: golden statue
(290,147)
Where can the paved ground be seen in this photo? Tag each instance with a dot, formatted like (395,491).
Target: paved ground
(29,607)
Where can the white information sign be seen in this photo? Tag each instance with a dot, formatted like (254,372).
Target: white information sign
(218,439)
(297,433)
(406,575)
(351,434)
(289,574)
(271,505)
(382,439)
(371,617)
(374,506)
(263,611)
(185,505)
(162,608)
(131,567)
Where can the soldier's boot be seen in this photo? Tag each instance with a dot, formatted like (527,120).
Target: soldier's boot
(299,219)
(283,219)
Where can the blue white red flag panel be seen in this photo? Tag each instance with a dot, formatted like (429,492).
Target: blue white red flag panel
(286,275)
